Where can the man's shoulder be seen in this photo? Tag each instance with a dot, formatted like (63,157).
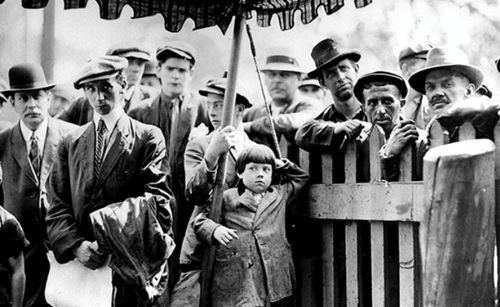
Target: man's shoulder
(254,112)
(63,126)
(144,105)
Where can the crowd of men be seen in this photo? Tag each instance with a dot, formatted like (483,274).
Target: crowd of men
(141,137)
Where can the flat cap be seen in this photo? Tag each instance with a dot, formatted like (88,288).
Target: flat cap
(99,69)
(177,49)
(380,75)
(219,85)
(130,50)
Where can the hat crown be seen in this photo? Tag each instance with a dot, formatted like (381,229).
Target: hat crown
(446,56)
(102,67)
(27,76)
(415,50)
(179,49)
(282,59)
(324,51)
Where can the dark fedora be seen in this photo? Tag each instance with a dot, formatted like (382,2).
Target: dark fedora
(282,63)
(383,76)
(219,85)
(329,51)
(178,49)
(447,58)
(26,77)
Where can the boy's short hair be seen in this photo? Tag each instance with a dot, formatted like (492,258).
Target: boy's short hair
(256,154)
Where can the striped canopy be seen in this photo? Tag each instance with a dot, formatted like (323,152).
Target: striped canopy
(207,13)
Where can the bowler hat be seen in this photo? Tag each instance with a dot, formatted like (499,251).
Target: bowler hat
(219,85)
(417,50)
(101,68)
(330,51)
(380,75)
(150,69)
(282,63)
(177,49)
(130,50)
(447,58)
(26,77)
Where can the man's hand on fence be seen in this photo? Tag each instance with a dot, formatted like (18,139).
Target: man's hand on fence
(351,128)
(404,132)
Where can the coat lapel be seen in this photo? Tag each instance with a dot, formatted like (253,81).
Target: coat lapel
(186,119)
(49,150)
(116,150)
(87,142)
(20,153)
(268,199)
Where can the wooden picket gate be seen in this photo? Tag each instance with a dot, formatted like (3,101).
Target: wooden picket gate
(369,230)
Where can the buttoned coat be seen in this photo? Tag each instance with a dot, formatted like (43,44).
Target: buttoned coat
(259,262)
(25,196)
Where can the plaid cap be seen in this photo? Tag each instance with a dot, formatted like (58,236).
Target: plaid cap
(99,69)
(178,49)
(130,50)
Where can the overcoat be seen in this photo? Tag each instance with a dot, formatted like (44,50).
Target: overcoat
(259,263)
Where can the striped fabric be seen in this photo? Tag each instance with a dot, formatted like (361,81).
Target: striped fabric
(207,13)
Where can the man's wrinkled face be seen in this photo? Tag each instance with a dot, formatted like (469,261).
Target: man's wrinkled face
(444,87)
(104,95)
(340,78)
(282,85)
(382,105)
(31,106)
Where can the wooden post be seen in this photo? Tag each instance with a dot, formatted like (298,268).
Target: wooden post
(457,233)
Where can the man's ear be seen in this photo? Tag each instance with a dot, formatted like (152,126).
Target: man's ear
(471,88)
(11,99)
(402,102)
(356,67)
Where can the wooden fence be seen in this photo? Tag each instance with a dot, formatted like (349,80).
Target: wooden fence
(369,230)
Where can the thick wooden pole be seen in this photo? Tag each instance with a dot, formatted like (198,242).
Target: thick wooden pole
(457,234)
(227,118)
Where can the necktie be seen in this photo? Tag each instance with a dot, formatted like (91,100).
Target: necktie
(35,155)
(173,128)
(99,151)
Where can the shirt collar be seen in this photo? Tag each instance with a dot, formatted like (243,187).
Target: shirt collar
(40,132)
(110,119)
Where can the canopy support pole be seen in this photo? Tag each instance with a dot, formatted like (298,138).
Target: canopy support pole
(227,119)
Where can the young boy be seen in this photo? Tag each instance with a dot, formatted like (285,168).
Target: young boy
(253,261)
(12,276)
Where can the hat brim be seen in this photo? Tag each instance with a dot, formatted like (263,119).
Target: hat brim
(136,54)
(217,91)
(281,67)
(79,84)
(399,83)
(161,54)
(353,55)
(14,90)
(475,75)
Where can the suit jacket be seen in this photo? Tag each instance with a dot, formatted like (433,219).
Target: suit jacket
(292,117)
(130,170)
(260,262)
(25,195)
(80,112)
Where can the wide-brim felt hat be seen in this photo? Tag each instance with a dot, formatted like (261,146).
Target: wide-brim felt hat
(130,50)
(380,75)
(446,58)
(282,63)
(101,68)
(26,77)
(329,51)
(178,49)
(219,85)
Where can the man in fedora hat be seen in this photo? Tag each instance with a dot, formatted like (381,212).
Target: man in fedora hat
(111,161)
(337,70)
(382,95)
(201,161)
(289,108)
(311,87)
(27,154)
(80,112)
(416,107)
(175,111)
